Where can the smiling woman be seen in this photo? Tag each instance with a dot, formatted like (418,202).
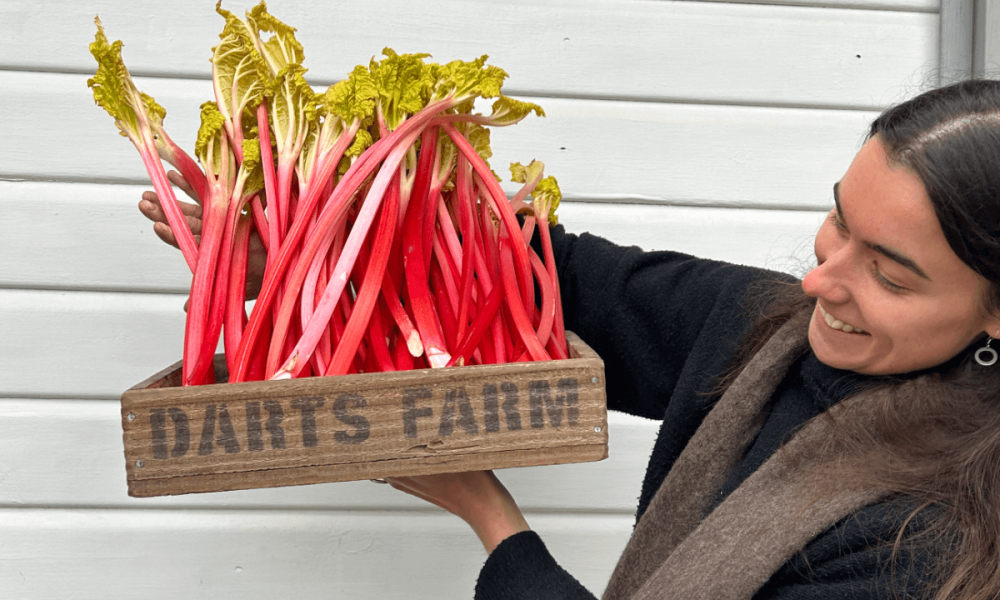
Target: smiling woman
(830,438)
(851,447)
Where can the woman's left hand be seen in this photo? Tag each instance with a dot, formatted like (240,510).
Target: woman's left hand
(477,497)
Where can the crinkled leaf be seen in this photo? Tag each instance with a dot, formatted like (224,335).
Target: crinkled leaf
(403,82)
(354,97)
(292,101)
(469,79)
(465,107)
(362,140)
(479,137)
(293,104)
(236,69)
(114,90)
(281,49)
(208,147)
(507,111)
(252,167)
(547,193)
(154,112)
(522,174)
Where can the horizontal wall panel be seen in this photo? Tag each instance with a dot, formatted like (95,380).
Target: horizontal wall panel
(780,240)
(160,555)
(598,150)
(85,344)
(92,237)
(84,236)
(69,453)
(745,53)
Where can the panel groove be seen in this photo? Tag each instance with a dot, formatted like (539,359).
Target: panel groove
(569,196)
(97,288)
(845,5)
(510,90)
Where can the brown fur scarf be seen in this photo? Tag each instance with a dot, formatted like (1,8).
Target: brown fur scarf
(676,552)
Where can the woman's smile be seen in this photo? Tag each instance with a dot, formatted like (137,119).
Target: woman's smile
(836,323)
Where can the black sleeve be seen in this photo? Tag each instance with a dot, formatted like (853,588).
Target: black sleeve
(521,567)
(854,559)
(851,560)
(653,317)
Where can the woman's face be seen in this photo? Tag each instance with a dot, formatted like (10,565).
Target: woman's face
(892,296)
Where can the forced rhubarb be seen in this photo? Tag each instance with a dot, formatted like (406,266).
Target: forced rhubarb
(389,241)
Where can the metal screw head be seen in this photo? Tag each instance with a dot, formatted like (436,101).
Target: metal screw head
(139,463)
(597,429)
(593,380)
(130,416)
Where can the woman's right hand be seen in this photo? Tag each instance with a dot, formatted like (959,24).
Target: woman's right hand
(477,497)
(150,207)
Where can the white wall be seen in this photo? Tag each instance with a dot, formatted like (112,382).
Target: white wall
(709,127)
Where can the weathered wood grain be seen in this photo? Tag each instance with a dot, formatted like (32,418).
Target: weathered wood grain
(367,426)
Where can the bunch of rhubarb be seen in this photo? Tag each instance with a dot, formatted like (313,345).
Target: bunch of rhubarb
(390,243)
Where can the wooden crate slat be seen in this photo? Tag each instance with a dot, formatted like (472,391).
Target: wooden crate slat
(263,434)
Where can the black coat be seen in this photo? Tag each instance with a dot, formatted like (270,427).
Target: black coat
(666,325)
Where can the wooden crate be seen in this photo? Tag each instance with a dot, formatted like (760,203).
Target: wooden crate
(181,440)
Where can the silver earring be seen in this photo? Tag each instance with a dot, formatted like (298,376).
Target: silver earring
(986,356)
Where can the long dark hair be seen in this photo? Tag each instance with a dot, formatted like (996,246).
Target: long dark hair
(942,453)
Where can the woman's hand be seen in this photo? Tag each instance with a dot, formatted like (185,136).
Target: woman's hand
(477,497)
(150,207)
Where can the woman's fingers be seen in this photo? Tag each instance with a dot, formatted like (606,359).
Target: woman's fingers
(178,180)
(150,207)
(165,233)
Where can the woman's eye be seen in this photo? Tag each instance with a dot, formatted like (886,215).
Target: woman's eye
(837,222)
(892,287)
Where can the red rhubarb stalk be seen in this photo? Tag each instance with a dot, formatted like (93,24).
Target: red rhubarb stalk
(338,279)
(369,292)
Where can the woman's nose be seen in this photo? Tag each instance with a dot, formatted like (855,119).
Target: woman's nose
(830,279)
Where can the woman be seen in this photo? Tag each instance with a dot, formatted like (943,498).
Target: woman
(837,437)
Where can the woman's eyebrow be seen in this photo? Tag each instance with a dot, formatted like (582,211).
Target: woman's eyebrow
(893,255)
